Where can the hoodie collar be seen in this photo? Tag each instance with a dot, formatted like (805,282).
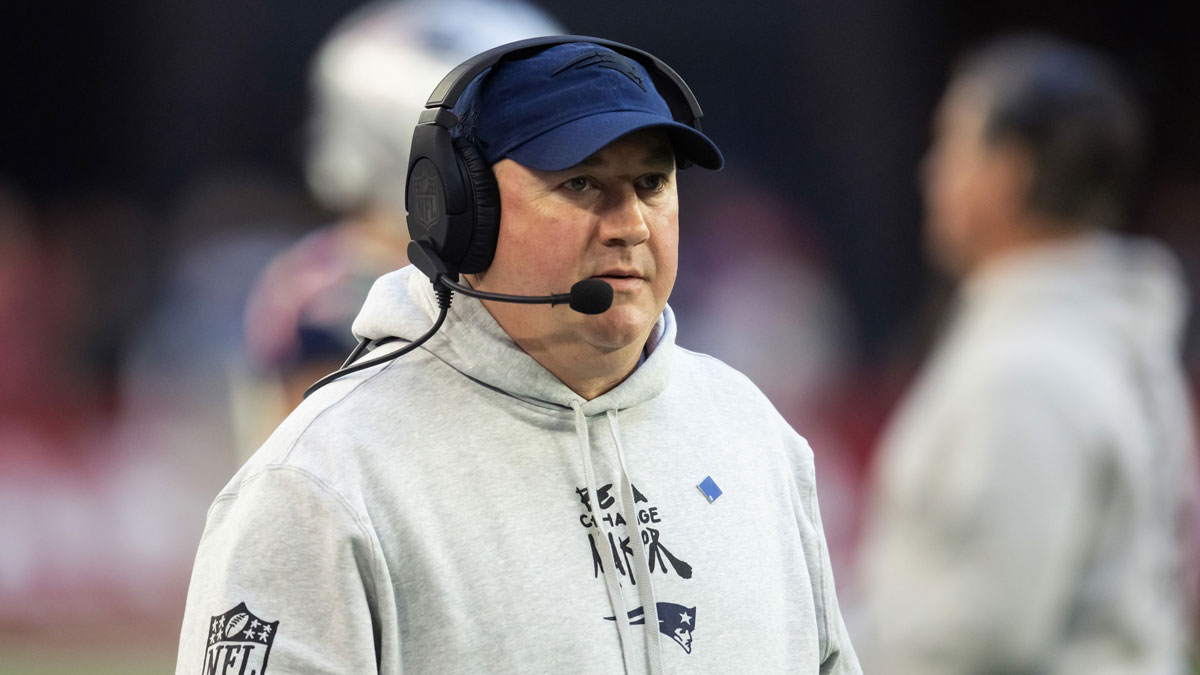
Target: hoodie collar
(402,304)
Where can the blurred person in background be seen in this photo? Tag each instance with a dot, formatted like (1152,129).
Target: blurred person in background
(1032,492)
(369,82)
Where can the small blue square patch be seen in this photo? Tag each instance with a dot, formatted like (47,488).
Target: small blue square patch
(708,487)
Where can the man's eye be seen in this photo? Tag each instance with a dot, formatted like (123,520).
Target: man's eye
(577,184)
(653,182)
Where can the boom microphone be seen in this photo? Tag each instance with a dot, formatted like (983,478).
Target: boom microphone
(590,296)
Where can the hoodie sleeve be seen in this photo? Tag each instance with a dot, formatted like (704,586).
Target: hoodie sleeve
(837,653)
(286,572)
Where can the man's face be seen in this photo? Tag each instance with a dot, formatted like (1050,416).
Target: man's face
(972,189)
(613,217)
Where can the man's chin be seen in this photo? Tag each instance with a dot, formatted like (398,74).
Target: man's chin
(618,328)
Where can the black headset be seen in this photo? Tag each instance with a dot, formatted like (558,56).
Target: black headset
(451,196)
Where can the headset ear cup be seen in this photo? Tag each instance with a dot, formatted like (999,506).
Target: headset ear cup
(486,200)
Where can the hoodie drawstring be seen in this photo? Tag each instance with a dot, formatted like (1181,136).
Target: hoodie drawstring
(645,588)
(620,614)
(640,576)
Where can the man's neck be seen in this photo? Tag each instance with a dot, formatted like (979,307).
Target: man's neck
(585,370)
(1027,234)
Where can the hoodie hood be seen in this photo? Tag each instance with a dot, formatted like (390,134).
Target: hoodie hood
(402,304)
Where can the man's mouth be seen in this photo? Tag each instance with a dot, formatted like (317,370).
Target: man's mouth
(619,273)
(621,280)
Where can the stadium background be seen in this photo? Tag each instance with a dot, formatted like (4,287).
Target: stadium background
(150,163)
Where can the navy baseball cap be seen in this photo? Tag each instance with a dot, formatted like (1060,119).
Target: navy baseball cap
(554,109)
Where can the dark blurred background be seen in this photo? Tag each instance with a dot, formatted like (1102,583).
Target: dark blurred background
(150,163)
(824,102)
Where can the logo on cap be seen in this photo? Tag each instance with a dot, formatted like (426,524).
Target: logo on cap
(610,60)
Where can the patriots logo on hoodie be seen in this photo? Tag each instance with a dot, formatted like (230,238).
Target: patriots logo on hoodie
(675,621)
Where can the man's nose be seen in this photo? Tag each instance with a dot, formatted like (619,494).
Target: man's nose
(623,220)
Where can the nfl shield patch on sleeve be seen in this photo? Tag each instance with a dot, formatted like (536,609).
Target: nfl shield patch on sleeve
(238,643)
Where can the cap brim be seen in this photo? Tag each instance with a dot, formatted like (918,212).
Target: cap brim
(569,144)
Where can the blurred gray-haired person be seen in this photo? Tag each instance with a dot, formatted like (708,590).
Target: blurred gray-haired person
(1031,492)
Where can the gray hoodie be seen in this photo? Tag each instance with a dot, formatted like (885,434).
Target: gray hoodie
(1032,489)
(460,510)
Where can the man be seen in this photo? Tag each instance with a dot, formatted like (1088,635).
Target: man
(1032,489)
(369,80)
(471,506)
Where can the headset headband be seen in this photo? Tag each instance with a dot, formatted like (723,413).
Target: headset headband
(446,94)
